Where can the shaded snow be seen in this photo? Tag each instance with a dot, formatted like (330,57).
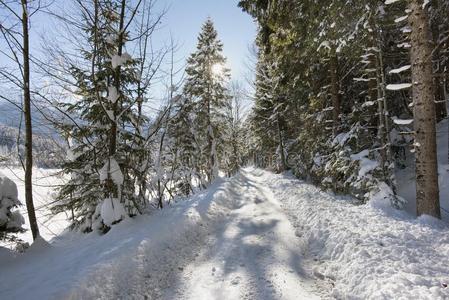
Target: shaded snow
(366,251)
(406,177)
(120,60)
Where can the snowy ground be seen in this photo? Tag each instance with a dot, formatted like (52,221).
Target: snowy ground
(45,183)
(255,236)
(366,251)
(254,254)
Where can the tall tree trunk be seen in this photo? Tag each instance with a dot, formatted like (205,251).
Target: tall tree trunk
(111,188)
(28,124)
(335,92)
(210,137)
(113,134)
(427,192)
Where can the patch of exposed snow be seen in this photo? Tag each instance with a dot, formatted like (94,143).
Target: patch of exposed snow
(112,211)
(120,60)
(399,86)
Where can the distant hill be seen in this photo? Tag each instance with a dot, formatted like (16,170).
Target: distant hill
(48,151)
(11,116)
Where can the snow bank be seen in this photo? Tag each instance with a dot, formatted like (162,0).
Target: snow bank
(10,220)
(45,183)
(8,188)
(138,259)
(369,251)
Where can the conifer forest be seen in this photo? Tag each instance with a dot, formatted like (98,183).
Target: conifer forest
(218,149)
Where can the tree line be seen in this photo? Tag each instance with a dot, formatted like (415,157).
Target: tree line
(129,152)
(345,90)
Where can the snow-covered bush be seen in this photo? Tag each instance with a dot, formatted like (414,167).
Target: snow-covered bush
(348,164)
(11,220)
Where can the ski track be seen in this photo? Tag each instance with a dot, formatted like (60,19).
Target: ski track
(253,254)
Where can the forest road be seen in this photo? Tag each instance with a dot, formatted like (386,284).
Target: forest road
(253,254)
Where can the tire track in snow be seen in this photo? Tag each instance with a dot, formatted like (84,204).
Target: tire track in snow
(252,254)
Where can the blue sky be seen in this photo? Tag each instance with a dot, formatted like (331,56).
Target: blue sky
(183,21)
(235,28)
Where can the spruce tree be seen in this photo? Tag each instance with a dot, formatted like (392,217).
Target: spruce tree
(102,157)
(185,148)
(206,88)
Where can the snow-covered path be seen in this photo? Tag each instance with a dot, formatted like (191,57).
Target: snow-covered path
(257,235)
(253,255)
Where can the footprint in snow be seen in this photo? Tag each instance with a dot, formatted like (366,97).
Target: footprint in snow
(235,281)
(258,200)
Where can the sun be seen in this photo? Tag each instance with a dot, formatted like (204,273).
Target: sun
(217,69)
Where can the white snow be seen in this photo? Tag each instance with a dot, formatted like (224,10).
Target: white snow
(112,211)
(120,60)
(45,182)
(366,251)
(399,86)
(254,254)
(230,242)
(257,235)
(9,217)
(402,121)
(400,70)
(400,19)
(113,94)
(112,169)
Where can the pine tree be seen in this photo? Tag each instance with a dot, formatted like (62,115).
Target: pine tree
(317,84)
(102,153)
(233,146)
(206,88)
(185,147)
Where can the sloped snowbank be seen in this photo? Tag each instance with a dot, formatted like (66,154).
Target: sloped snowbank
(369,251)
(138,258)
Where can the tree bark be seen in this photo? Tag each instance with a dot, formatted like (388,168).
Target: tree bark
(427,191)
(28,124)
(113,134)
(111,187)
